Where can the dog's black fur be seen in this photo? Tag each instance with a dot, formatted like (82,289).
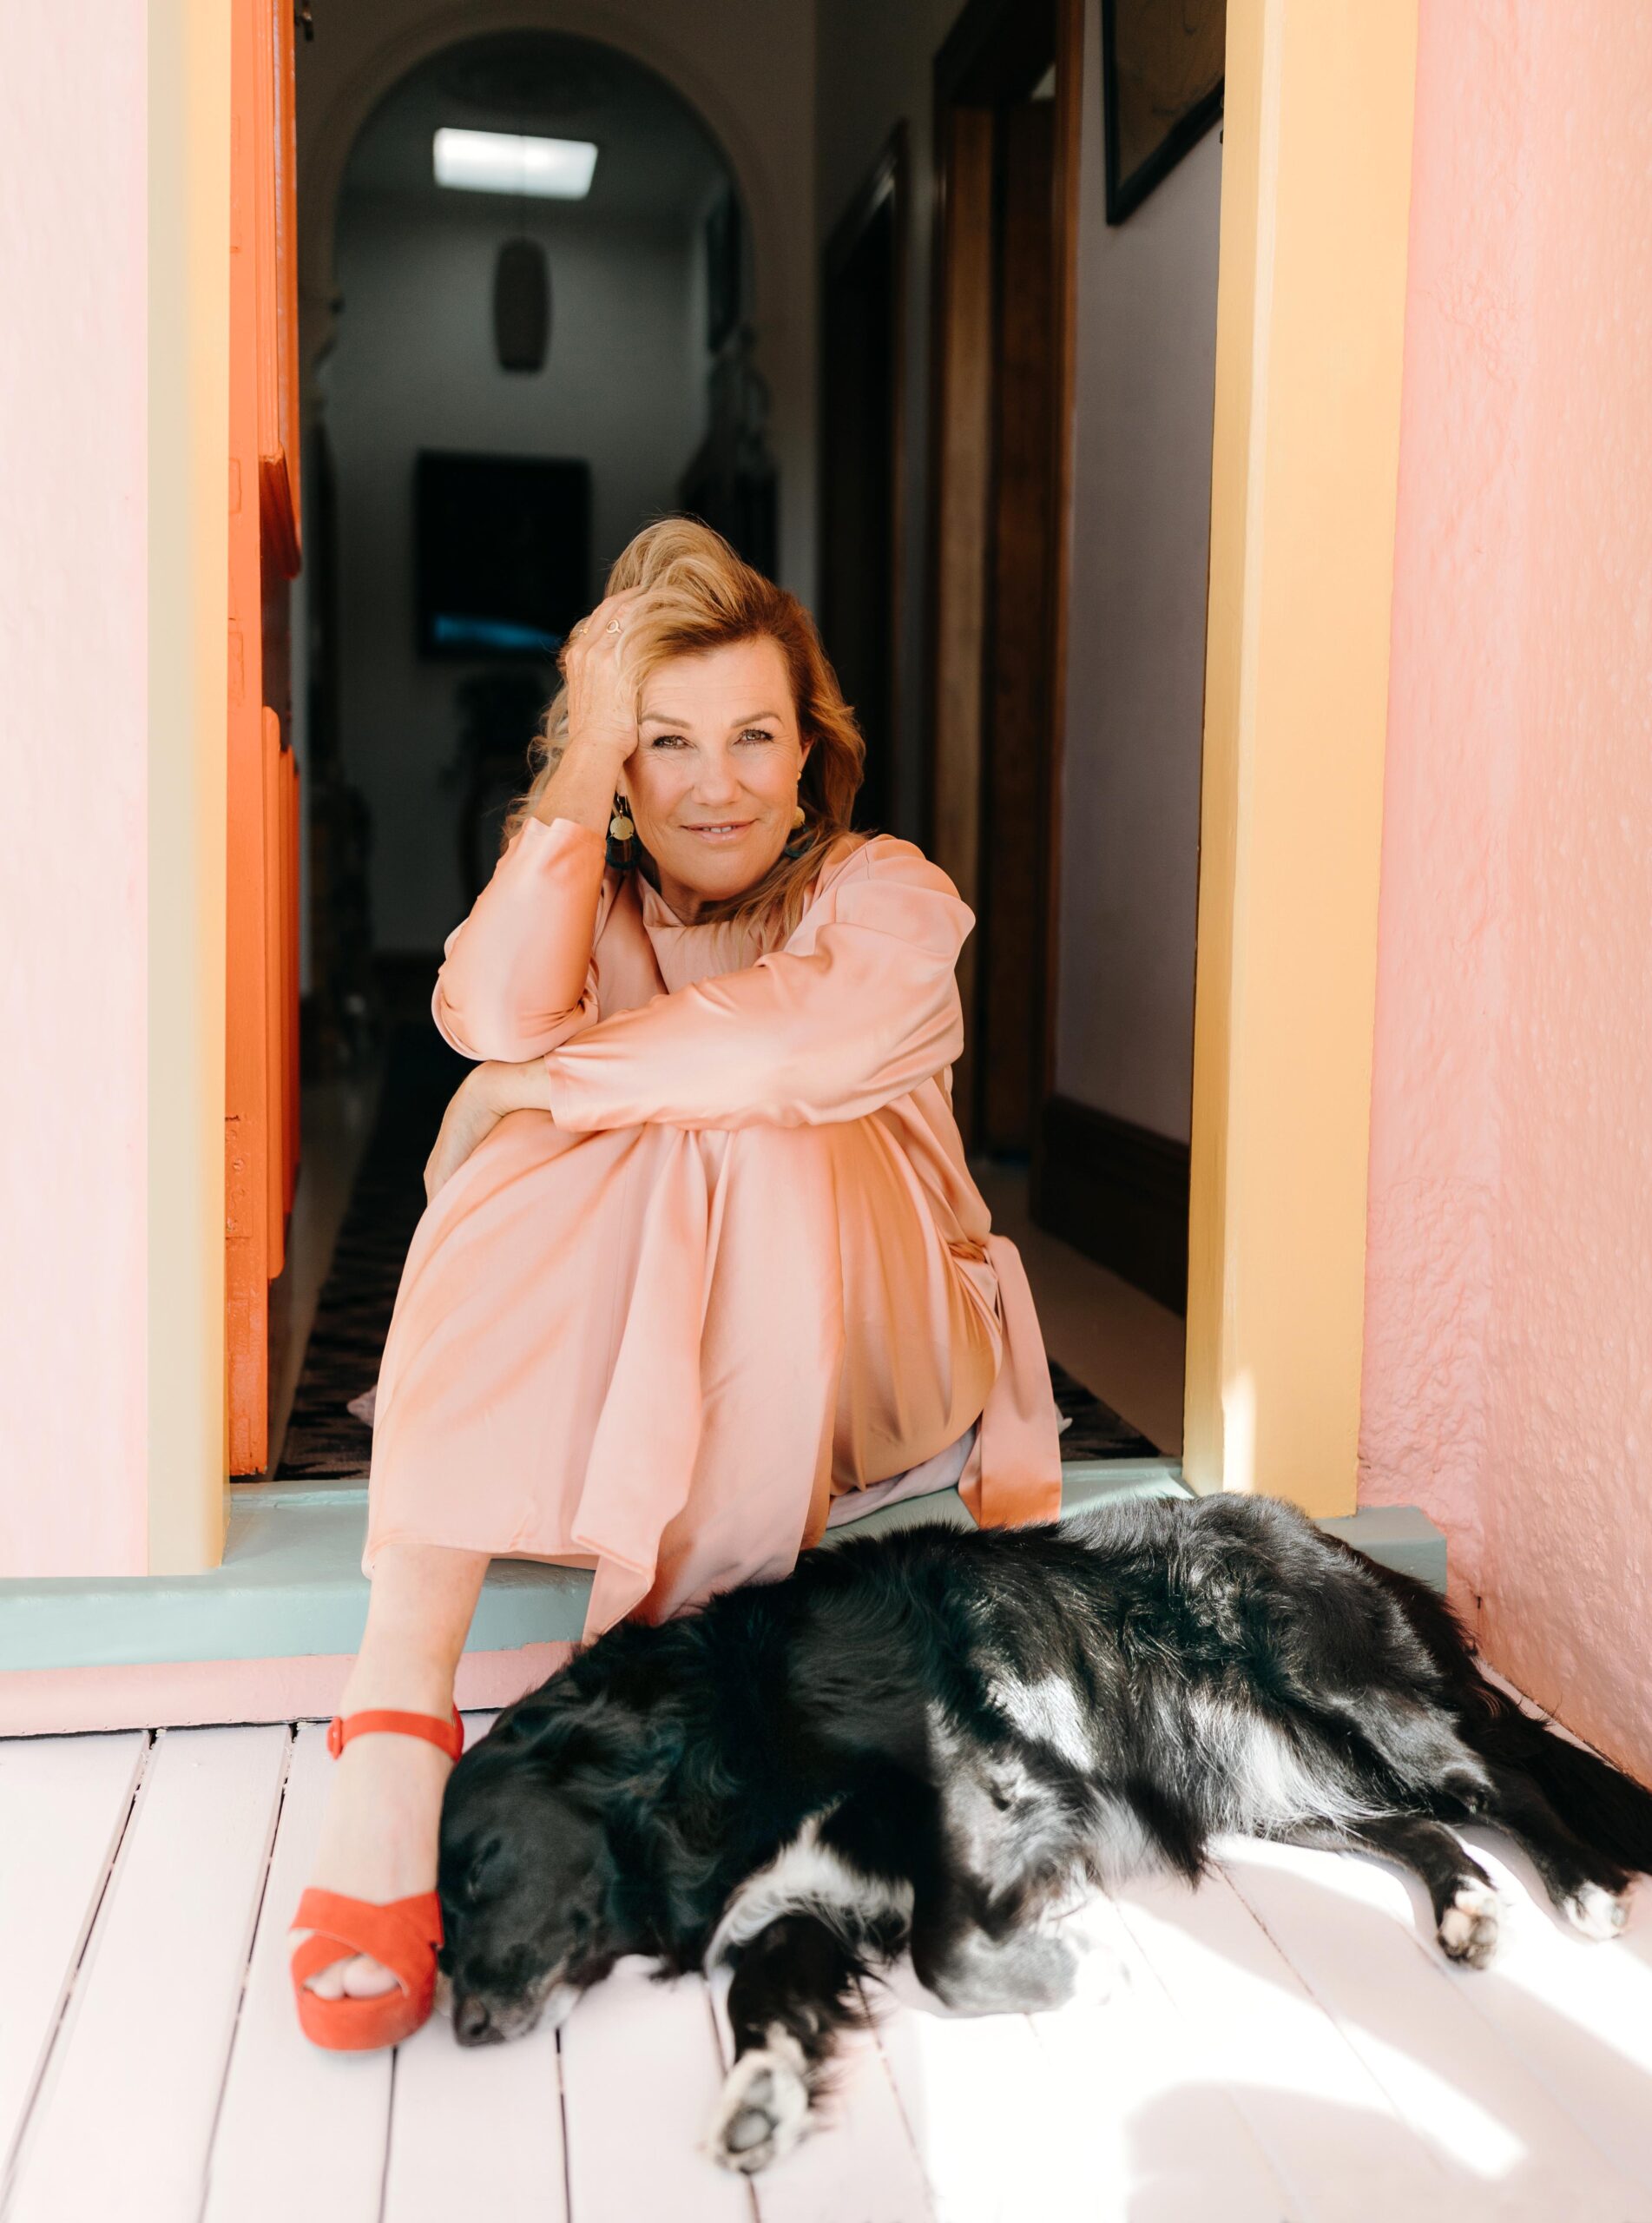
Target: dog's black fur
(928,1739)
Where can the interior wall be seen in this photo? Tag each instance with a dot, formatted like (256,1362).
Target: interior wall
(414,367)
(1509,1290)
(1145,388)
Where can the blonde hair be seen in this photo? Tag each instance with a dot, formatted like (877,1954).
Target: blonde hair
(700,597)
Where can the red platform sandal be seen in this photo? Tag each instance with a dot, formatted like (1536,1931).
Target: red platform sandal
(401,1934)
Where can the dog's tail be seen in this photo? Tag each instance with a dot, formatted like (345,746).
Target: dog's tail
(1606,1808)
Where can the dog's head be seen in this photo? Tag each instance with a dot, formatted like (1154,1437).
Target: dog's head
(529,1884)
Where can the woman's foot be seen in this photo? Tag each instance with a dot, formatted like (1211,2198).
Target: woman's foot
(379,1835)
(378,1838)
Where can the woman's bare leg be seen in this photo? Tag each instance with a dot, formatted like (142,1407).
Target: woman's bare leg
(378,1839)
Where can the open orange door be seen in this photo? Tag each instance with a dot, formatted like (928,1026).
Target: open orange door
(260,1100)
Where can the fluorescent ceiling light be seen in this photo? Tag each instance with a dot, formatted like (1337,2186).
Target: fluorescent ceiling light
(500,161)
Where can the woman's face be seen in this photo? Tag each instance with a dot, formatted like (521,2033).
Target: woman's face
(712,782)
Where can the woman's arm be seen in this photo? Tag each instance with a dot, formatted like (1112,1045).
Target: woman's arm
(516,977)
(860,1009)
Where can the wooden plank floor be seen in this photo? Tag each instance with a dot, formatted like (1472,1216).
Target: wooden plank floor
(1285,2042)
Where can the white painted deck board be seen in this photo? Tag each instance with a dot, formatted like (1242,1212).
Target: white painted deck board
(126,2108)
(977,2101)
(1329,2131)
(1578,2013)
(344,2169)
(1286,2043)
(64,1804)
(640,2074)
(1351,1929)
(1144,2132)
(475,2131)
(300,2133)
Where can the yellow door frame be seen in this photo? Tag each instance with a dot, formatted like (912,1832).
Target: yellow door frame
(1310,329)
(188,435)
(1316,187)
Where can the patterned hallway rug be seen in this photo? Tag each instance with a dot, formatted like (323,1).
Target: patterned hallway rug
(325,1441)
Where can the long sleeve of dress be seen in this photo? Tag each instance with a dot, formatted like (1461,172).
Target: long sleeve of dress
(861,1006)
(516,977)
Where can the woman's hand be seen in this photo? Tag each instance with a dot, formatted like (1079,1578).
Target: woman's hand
(469,1117)
(482,1100)
(602,690)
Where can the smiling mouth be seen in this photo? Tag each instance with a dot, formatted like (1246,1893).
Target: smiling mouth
(728,826)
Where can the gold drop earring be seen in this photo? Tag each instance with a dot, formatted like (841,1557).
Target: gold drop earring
(797,846)
(621,829)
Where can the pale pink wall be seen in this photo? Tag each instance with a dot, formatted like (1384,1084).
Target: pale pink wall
(73,744)
(1507,1378)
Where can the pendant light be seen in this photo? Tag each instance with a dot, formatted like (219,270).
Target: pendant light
(522,295)
(521,305)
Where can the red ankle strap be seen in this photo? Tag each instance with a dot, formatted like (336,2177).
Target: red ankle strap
(450,1735)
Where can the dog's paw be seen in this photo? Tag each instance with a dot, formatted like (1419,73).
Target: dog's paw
(764,2109)
(1468,1931)
(1594,1912)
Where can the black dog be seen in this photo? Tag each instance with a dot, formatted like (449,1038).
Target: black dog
(933,1740)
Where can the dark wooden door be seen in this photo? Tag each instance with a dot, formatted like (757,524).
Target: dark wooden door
(1007,86)
(1018,682)
(861,320)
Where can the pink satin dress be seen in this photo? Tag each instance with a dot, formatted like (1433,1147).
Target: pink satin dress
(738,1267)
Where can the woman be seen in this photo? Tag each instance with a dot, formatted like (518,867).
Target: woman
(701,1250)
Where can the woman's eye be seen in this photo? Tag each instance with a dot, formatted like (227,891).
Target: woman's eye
(676,741)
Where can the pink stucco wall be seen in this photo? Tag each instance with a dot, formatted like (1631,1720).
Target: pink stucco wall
(73,746)
(1508,1371)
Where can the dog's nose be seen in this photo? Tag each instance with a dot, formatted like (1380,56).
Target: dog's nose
(473,2025)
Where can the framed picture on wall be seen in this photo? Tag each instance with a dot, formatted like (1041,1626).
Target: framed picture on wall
(501,554)
(1161,79)
(722,269)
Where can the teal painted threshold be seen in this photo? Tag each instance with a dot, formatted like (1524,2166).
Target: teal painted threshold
(291,1584)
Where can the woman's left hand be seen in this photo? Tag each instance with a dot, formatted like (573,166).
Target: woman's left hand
(481,1100)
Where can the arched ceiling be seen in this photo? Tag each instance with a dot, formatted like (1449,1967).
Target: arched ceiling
(656,160)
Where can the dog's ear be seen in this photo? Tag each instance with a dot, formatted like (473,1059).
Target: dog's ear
(590,1745)
(607,1750)
(545,1726)
(519,1723)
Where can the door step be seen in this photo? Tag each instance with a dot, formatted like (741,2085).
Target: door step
(276,1625)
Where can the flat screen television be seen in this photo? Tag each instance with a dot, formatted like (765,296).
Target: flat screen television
(502,553)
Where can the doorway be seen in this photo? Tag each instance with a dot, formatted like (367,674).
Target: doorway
(1309,315)
(444,431)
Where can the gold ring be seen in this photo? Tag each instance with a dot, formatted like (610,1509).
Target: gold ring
(612,625)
